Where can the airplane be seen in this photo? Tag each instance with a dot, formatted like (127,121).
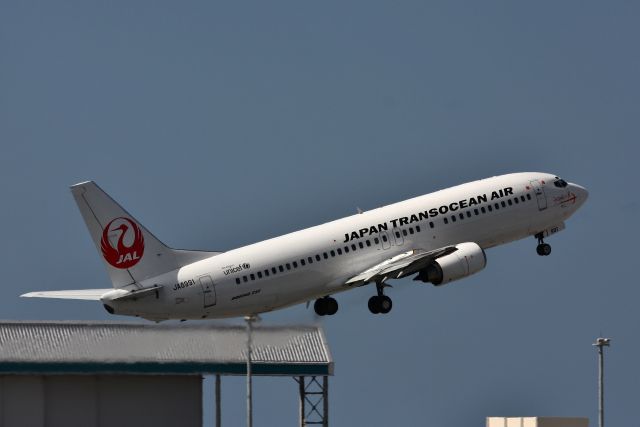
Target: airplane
(439,237)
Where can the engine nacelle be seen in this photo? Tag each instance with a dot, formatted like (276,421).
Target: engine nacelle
(467,260)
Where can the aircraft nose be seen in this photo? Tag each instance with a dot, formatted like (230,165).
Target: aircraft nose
(581,193)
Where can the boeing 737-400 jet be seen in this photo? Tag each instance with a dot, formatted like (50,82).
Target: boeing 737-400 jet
(438,238)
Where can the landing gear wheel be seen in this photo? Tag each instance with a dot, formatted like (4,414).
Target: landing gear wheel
(332,306)
(543,249)
(320,306)
(374,305)
(385,304)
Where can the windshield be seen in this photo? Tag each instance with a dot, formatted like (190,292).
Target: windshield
(561,183)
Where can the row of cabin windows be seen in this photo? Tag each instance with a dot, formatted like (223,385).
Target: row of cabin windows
(325,255)
(489,207)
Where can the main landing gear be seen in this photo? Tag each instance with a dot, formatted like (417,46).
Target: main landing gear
(326,306)
(380,303)
(543,249)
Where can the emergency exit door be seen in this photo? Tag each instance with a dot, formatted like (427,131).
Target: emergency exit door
(208,290)
(540,196)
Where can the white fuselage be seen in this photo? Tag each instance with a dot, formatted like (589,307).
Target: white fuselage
(317,261)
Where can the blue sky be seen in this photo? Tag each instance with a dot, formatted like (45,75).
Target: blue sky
(218,124)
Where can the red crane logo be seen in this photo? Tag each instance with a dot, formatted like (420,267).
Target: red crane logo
(130,246)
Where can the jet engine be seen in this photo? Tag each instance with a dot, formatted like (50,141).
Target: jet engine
(467,260)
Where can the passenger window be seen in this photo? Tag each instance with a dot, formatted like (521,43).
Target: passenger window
(418,228)
(515,199)
(346,249)
(430,225)
(281,268)
(461,216)
(376,240)
(325,255)
(453,218)
(522,199)
(253,277)
(273,270)
(504,204)
(295,264)
(266,273)
(288,266)
(353,247)
(446,221)
(510,202)
(384,238)
(237,280)
(404,232)
(317,257)
(489,208)
(410,230)
(497,206)
(468,214)
(259,274)
(310,260)
(483,209)
(475,211)
(303,262)
(339,251)
(368,242)
(333,253)
(245,279)
(528,196)
(361,245)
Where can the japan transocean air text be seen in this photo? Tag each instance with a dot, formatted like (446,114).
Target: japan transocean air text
(428,213)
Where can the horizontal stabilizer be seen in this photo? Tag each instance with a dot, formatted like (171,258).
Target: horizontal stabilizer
(85,294)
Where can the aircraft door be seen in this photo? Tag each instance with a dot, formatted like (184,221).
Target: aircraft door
(540,196)
(397,236)
(384,238)
(208,290)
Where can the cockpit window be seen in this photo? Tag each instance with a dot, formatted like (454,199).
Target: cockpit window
(561,183)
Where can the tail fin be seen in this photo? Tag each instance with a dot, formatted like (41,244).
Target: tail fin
(130,252)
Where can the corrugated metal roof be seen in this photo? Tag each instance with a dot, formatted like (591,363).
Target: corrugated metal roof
(85,347)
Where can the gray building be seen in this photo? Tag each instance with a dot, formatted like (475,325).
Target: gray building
(124,374)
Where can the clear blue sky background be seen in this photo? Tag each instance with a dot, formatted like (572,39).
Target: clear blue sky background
(222,123)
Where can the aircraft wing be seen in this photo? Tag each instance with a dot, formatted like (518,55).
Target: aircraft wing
(86,294)
(399,266)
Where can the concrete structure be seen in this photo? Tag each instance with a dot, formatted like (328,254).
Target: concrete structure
(124,374)
(536,422)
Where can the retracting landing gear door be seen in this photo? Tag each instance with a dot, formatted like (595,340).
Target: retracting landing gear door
(208,290)
(540,196)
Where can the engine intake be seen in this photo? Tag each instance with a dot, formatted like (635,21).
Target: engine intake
(467,260)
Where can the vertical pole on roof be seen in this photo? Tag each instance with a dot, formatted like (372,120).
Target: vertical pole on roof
(302,398)
(325,401)
(218,410)
(249,320)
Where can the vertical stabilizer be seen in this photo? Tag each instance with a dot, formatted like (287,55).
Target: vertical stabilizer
(130,252)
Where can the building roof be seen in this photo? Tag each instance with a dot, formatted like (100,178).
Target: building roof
(54,347)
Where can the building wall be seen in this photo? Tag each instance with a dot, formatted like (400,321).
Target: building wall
(100,401)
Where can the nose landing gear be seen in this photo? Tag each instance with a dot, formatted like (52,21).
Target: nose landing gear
(543,249)
(326,306)
(380,303)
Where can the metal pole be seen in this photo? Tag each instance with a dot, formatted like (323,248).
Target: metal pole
(601,343)
(601,387)
(325,400)
(218,411)
(302,397)
(249,320)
